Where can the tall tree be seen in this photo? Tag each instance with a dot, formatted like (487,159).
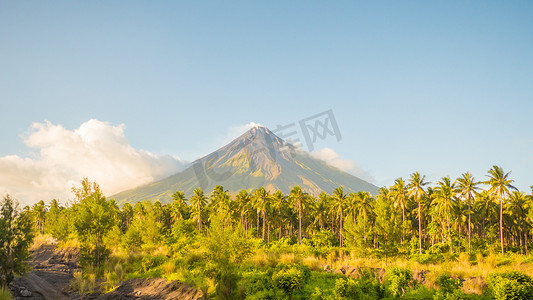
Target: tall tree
(261,201)
(445,202)
(279,204)
(178,206)
(416,190)
(338,200)
(364,208)
(499,185)
(39,214)
(400,197)
(468,187)
(298,197)
(198,204)
(15,238)
(244,205)
(94,219)
(518,209)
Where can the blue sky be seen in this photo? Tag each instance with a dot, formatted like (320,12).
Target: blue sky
(436,87)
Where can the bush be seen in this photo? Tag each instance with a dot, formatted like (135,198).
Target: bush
(366,287)
(399,281)
(510,285)
(449,288)
(290,277)
(257,284)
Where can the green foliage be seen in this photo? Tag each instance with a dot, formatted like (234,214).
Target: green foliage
(290,277)
(257,284)
(323,238)
(366,287)
(449,288)
(512,285)
(94,219)
(399,281)
(225,247)
(15,238)
(58,221)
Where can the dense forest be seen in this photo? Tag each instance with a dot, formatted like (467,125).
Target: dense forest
(270,245)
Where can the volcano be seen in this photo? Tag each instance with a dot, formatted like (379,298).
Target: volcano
(256,158)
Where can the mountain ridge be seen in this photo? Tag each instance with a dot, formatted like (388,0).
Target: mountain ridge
(256,158)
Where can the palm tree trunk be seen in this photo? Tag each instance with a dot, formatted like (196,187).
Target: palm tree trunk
(300,222)
(419,228)
(449,234)
(258,224)
(469,230)
(364,228)
(403,221)
(264,219)
(340,230)
(501,222)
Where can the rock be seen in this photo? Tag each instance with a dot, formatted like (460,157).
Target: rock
(327,268)
(25,293)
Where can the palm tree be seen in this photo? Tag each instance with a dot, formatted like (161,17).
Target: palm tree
(467,186)
(243,200)
(416,190)
(178,205)
(364,208)
(261,201)
(278,206)
(399,196)
(500,184)
(518,207)
(485,210)
(339,199)
(198,203)
(298,197)
(445,202)
(321,210)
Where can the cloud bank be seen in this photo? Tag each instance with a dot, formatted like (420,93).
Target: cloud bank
(333,159)
(96,150)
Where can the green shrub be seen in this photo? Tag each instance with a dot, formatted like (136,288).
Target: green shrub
(449,288)
(400,280)
(152,262)
(510,285)
(257,284)
(290,277)
(366,287)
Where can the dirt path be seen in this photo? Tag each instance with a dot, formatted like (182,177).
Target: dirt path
(51,273)
(53,270)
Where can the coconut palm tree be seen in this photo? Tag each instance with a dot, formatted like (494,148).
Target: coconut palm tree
(339,201)
(445,202)
(518,208)
(279,204)
(243,200)
(416,190)
(499,185)
(400,199)
(485,211)
(365,207)
(262,204)
(322,206)
(178,206)
(298,197)
(468,186)
(198,204)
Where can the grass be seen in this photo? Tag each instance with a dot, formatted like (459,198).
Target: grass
(5,294)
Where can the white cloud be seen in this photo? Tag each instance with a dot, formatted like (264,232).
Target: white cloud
(96,150)
(333,159)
